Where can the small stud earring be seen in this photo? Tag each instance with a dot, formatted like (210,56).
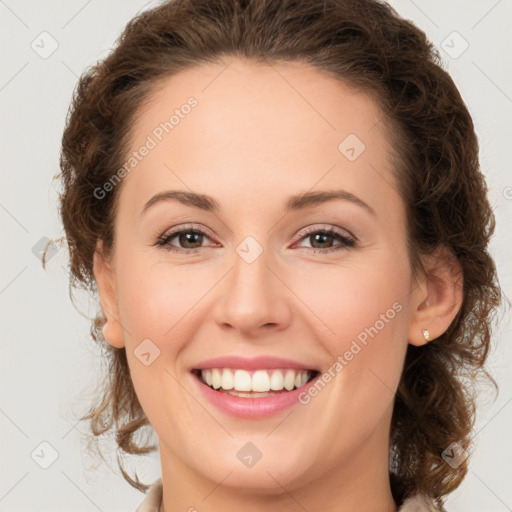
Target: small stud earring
(426,335)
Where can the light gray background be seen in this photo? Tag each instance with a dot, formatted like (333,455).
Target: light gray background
(48,362)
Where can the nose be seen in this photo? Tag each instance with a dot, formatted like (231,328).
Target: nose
(252,299)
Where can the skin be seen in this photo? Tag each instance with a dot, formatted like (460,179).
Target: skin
(259,135)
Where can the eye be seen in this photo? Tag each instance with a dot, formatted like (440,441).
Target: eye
(191,240)
(324,238)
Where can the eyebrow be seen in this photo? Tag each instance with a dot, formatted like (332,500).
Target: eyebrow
(294,203)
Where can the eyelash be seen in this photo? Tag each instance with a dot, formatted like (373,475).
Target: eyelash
(347,242)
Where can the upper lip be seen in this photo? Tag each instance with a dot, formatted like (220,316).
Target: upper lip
(256,363)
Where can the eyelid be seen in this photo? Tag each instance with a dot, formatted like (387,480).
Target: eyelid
(188,227)
(327,228)
(164,239)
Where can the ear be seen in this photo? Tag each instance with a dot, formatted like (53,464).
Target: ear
(105,281)
(437,298)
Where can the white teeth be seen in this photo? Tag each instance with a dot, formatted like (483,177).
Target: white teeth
(289,380)
(216,378)
(260,380)
(227,380)
(241,381)
(276,380)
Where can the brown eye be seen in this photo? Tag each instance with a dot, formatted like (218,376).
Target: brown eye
(190,239)
(322,240)
(184,240)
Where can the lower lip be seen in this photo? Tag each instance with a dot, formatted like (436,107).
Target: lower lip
(252,408)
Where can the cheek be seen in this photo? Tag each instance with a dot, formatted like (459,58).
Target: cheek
(156,306)
(349,298)
(149,292)
(162,302)
(364,320)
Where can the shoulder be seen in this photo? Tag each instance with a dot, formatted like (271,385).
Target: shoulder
(153,498)
(420,503)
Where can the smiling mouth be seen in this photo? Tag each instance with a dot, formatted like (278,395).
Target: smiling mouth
(254,383)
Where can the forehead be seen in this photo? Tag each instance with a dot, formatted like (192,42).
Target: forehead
(269,128)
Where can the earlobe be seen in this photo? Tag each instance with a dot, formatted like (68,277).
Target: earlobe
(437,299)
(105,282)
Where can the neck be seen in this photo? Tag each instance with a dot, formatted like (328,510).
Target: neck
(360,484)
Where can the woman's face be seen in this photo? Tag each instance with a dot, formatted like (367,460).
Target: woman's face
(263,278)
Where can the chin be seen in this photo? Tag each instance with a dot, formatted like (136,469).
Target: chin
(267,475)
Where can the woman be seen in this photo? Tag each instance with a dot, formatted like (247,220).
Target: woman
(281,209)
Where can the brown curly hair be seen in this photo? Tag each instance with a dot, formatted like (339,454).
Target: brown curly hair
(364,44)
